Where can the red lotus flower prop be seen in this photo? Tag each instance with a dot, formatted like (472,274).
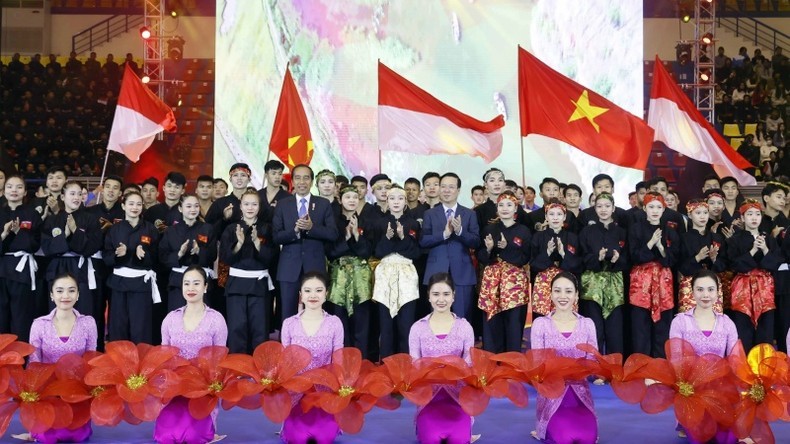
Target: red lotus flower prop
(699,387)
(273,370)
(70,371)
(132,382)
(628,381)
(487,379)
(205,382)
(401,374)
(761,378)
(12,354)
(542,369)
(30,390)
(352,391)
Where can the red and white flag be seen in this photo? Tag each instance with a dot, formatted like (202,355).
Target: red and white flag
(413,121)
(139,117)
(681,127)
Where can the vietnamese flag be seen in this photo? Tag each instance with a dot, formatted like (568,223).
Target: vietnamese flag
(291,140)
(682,128)
(413,121)
(555,106)
(139,117)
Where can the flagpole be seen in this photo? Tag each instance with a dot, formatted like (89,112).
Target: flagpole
(523,173)
(378,119)
(103,171)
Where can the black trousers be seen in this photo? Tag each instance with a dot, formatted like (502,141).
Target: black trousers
(131,316)
(648,337)
(17,308)
(394,336)
(289,299)
(610,330)
(248,321)
(751,335)
(464,301)
(356,328)
(505,331)
(782,317)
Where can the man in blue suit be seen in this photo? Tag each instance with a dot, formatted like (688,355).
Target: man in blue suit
(449,231)
(303,223)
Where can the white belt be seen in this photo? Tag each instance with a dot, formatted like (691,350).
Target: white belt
(91,270)
(147,275)
(25,258)
(784,267)
(251,274)
(209,272)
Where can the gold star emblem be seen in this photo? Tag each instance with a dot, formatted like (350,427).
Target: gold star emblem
(292,141)
(584,110)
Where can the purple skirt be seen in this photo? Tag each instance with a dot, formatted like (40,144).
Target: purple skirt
(443,421)
(315,426)
(52,436)
(175,425)
(572,423)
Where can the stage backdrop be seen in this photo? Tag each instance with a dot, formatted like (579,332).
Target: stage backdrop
(462,51)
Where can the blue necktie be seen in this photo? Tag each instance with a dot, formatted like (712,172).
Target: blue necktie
(303,207)
(449,214)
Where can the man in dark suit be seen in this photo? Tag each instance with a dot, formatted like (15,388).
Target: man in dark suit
(303,223)
(449,230)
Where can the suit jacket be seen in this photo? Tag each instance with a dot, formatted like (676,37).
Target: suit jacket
(303,252)
(451,254)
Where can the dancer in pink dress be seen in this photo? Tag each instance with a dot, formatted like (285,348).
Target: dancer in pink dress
(322,334)
(61,332)
(442,333)
(706,330)
(570,418)
(190,328)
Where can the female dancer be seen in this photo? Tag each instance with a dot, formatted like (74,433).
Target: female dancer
(605,258)
(188,242)
(570,418)
(61,332)
(246,248)
(321,334)
(701,249)
(653,252)
(396,287)
(130,249)
(753,256)
(706,328)
(504,288)
(190,328)
(442,333)
(351,275)
(553,251)
(70,238)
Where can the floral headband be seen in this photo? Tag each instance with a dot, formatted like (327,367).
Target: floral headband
(323,173)
(507,196)
(553,205)
(691,206)
(749,204)
(651,197)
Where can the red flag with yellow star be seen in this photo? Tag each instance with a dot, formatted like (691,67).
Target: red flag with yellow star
(555,106)
(291,140)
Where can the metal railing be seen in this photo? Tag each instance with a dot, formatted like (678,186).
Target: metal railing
(760,33)
(104,31)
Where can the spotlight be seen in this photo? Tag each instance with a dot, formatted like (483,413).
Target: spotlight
(686,18)
(145,79)
(707,39)
(174,13)
(705,76)
(145,33)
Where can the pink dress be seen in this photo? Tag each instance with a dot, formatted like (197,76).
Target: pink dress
(570,418)
(442,420)
(719,341)
(315,425)
(50,348)
(175,424)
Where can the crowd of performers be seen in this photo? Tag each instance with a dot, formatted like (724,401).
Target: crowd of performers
(415,272)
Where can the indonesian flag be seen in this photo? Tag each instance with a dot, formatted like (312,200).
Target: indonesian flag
(139,117)
(413,121)
(555,106)
(291,140)
(681,127)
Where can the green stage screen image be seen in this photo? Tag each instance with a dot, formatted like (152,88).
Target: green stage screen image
(464,52)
